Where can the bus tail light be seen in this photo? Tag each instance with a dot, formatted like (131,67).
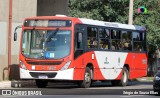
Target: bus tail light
(66,66)
(22,65)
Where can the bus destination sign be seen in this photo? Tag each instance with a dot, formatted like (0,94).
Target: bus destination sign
(48,23)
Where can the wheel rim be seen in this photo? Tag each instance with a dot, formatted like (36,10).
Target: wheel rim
(124,77)
(87,78)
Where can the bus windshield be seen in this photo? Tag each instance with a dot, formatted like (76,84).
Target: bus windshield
(46,44)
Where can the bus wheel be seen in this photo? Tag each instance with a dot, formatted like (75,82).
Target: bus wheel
(41,83)
(124,79)
(87,79)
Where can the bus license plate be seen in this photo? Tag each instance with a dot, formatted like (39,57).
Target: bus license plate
(43,77)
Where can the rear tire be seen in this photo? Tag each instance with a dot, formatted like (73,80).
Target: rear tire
(125,76)
(86,83)
(41,83)
(124,79)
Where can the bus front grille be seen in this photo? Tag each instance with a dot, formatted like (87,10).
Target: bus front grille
(44,63)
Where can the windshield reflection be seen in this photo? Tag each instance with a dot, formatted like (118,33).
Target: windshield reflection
(46,44)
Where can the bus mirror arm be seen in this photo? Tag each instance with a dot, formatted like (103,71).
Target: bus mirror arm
(15,33)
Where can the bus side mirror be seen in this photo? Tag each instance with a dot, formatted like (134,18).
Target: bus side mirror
(79,37)
(15,33)
(15,36)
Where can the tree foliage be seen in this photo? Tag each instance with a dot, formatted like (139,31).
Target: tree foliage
(117,11)
(105,10)
(150,20)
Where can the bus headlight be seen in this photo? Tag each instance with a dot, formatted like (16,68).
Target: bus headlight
(66,65)
(22,65)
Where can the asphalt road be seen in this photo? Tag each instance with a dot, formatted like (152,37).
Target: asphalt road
(98,90)
(83,96)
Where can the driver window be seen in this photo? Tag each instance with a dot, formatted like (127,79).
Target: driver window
(79,44)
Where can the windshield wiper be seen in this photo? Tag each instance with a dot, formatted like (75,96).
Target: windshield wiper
(49,39)
(53,34)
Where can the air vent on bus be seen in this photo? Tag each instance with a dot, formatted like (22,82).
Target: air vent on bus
(45,63)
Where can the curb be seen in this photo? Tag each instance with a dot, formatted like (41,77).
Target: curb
(145,79)
(5,84)
(22,83)
(16,84)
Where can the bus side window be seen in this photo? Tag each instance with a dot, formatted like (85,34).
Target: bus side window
(116,40)
(113,46)
(137,47)
(92,40)
(126,40)
(115,34)
(137,42)
(104,38)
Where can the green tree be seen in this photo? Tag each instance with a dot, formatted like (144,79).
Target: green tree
(106,10)
(150,20)
(117,11)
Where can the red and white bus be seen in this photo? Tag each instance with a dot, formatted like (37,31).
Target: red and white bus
(81,50)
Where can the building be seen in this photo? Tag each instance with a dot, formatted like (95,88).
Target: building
(20,10)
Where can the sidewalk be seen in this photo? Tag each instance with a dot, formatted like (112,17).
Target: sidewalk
(16,84)
(145,79)
(5,84)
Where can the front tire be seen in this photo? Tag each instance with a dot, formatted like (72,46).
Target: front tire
(41,83)
(87,79)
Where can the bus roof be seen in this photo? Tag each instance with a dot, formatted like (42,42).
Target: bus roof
(94,22)
(111,24)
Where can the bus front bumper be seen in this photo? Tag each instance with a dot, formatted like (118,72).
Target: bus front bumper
(53,75)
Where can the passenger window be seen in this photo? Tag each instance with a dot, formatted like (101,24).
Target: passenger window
(116,40)
(116,45)
(137,46)
(115,34)
(137,41)
(136,36)
(92,39)
(126,40)
(104,44)
(104,35)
